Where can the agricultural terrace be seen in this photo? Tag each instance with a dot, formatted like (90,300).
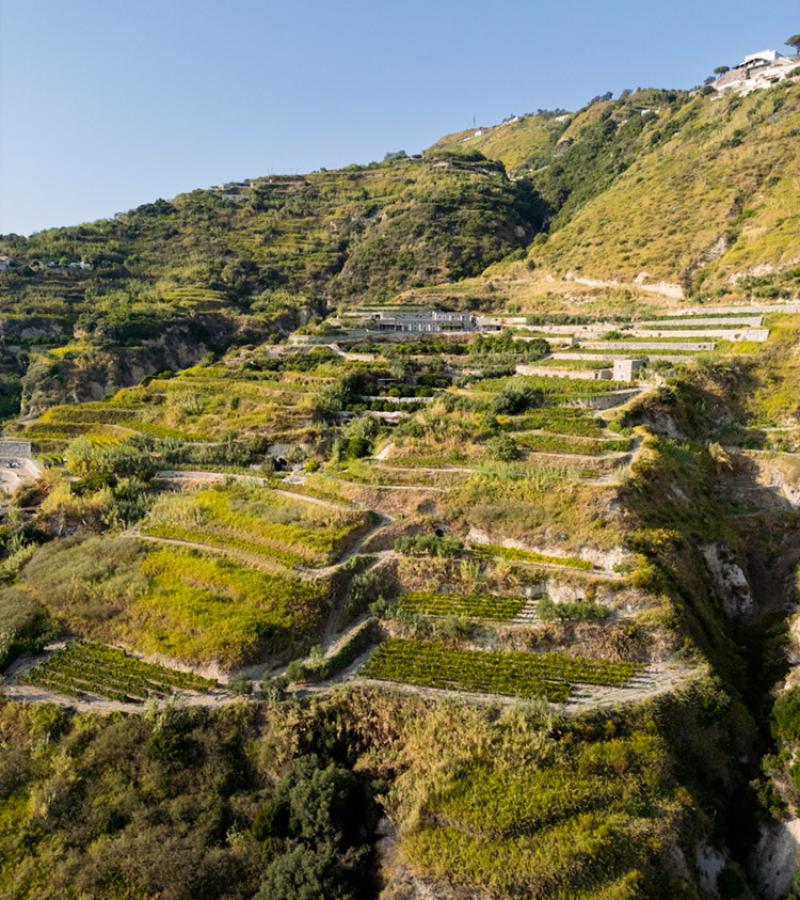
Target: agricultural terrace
(557,420)
(550,676)
(491,607)
(84,668)
(257,523)
(199,404)
(544,506)
(560,389)
(199,608)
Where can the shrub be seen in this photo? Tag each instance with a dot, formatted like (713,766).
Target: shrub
(502,448)
(295,671)
(785,724)
(240,686)
(515,399)
(575,610)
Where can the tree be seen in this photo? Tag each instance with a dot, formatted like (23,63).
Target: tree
(721,70)
(794,41)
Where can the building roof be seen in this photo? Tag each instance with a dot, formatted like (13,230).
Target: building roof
(762,56)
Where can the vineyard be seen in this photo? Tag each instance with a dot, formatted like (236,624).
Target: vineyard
(556,443)
(515,554)
(549,385)
(559,420)
(550,676)
(475,606)
(256,521)
(86,668)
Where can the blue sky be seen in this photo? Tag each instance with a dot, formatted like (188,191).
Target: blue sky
(106,105)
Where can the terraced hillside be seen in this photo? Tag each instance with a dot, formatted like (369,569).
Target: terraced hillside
(402,551)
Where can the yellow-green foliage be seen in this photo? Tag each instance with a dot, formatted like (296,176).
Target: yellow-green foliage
(584,825)
(776,398)
(83,667)
(250,520)
(207,608)
(519,143)
(718,189)
(173,601)
(477,606)
(540,507)
(550,676)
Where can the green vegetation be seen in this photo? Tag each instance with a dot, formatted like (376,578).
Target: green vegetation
(530,385)
(547,675)
(553,443)
(85,668)
(428,545)
(491,551)
(252,521)
(558,420)
(579,823)
(25,626)
(477,606)
(283,790)
(570,610)
(264,820)
(176,602)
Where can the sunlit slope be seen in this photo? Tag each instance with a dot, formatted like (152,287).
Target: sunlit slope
(520,144)
(361,230)
(716,197)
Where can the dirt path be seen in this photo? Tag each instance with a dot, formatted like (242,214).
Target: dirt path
(247,558)
(656,680)
(266,564)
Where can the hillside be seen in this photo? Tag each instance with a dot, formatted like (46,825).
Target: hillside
(427,529)
(697,191)
(160,286)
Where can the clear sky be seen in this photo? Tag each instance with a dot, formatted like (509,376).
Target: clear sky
(106,104)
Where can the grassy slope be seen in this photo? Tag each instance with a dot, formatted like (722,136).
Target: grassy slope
(690,189)
(722,170)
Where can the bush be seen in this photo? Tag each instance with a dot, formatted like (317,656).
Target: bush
(295,671)
(273,687)
(502,448)
(785,724)
(575,610)
(515,399)
(240,686)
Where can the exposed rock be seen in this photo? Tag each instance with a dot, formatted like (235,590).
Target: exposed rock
(104,368)
(710,862)
(729,581)
(776,858)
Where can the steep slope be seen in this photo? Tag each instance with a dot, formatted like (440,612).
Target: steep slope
(521,144)
(699,191)
(256,258)
(291,233)
(716,198)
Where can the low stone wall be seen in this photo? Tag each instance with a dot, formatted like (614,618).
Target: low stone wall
(649,345)
(577,374)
